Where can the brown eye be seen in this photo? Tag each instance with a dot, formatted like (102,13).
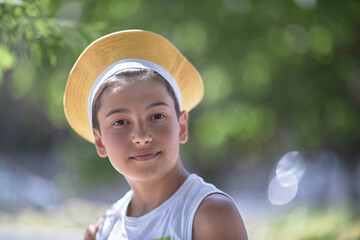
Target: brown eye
(121,122)
(158,116)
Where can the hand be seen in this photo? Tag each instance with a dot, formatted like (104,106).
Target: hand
(90,233)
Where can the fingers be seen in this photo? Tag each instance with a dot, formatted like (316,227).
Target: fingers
(90,233)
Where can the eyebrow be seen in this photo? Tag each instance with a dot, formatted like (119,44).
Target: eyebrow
(125,110)
(157,104)
(118,110)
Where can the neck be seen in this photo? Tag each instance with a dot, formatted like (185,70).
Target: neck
(148,195)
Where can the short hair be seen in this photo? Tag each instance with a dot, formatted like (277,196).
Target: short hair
(128,77)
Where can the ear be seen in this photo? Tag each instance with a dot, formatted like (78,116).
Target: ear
(100,148)
(183,125)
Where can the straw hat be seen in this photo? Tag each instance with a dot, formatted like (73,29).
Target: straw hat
(142,46)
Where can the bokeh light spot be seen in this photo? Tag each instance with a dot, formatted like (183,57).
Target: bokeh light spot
(290,169)
(297,38)
(256,74)
(23,80)
(322,41)
(191,36)
(280,195)
(306,4)
(218,84)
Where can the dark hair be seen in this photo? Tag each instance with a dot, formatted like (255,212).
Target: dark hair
(128,77)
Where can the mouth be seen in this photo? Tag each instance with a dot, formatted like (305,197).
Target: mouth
(144,156)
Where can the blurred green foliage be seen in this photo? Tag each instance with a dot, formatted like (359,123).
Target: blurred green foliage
(278,75)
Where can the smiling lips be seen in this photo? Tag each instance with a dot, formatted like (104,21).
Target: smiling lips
(144,156)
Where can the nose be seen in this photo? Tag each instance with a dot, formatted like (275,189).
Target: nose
(141,136)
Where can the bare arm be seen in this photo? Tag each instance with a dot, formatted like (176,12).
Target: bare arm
(218,218)
(90,233)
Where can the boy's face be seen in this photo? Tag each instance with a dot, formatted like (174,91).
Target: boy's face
(140,131)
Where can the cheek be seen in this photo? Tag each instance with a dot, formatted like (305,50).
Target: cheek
(168,134)
(116,147)
(115,142)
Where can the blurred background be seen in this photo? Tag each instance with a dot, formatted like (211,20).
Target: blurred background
(278,128)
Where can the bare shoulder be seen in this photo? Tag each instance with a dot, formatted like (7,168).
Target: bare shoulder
(218,218)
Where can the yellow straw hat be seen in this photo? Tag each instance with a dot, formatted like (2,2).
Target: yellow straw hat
(121,50)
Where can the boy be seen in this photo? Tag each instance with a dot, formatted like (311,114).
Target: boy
(130,93)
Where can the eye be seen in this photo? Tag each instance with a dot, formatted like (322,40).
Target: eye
(120,122)
(158,116)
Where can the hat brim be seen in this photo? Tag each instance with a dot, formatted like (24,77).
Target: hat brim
(116,46)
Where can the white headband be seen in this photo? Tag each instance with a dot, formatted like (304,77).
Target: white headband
(127,64)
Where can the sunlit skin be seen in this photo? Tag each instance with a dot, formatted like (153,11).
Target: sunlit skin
(140,133)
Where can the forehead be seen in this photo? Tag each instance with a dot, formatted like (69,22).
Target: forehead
(135,93)
(135,86)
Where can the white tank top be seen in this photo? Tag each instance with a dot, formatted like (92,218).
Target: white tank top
(172,220)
